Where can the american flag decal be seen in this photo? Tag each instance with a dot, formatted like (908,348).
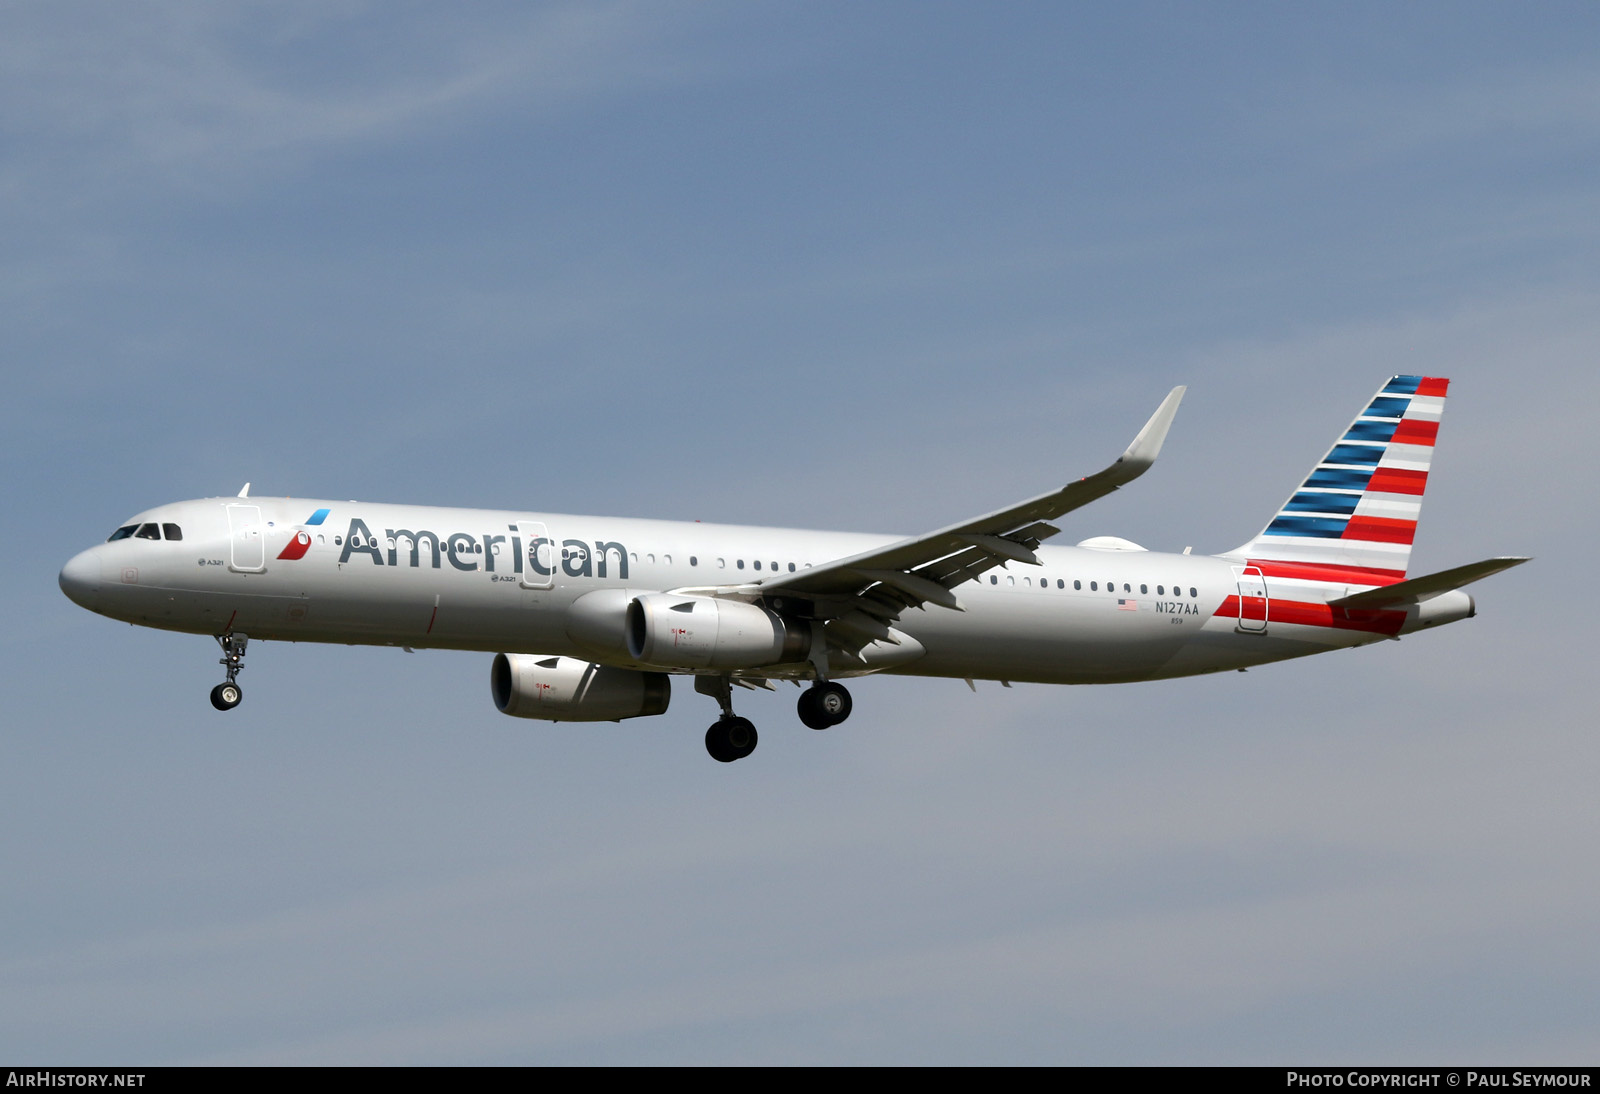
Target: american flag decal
(1127,605)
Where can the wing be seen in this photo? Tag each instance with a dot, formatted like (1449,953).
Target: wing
(862,595)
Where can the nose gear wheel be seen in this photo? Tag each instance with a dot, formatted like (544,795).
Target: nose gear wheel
(228,694)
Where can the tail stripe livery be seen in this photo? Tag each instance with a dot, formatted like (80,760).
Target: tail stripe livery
(1353,519)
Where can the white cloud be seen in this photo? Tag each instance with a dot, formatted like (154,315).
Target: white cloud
(193,90)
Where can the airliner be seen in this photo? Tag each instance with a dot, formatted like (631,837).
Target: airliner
(589,618)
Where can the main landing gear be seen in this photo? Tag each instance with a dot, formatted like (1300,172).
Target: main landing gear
(226,695)
(731,737)
(823,705)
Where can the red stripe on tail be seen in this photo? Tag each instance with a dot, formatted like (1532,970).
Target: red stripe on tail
(1394,480)
(1380,530)
(1416,431)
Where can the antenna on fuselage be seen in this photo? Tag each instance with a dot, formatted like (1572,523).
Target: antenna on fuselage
(245,493)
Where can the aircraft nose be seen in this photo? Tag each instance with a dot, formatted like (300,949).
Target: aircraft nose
(80,578)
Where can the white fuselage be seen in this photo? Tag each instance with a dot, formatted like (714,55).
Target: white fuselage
(504,581)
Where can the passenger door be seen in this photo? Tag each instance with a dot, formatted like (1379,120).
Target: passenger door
(247,540)
(539,552)
(1252,600)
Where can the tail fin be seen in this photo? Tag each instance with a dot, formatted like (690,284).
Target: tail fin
(1353,519)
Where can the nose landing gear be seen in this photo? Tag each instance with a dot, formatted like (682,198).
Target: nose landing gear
(227,695)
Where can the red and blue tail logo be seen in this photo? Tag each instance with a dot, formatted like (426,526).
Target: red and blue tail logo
(1353,519)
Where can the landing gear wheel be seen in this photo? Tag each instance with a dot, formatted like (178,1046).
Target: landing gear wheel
(730,739)
(810,715)
(226,696)
(824,705)
(741,737)
(717,744)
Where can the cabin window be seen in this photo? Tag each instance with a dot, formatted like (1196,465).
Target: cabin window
(693,561)
(1010,580)
(1194,592)
(722,564)
(791,567)
(756,564)
(1161,590)
(993,580)
(667,559)
(1077,585)
(1144,588)
(1094,586)
(740,564)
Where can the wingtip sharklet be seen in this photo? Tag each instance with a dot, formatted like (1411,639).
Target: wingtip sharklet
(1147,445)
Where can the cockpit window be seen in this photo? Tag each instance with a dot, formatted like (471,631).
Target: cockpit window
(123,533)
(172,531)
(147,531)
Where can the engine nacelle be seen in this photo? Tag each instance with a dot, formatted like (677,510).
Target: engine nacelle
(564,689)
(702,632)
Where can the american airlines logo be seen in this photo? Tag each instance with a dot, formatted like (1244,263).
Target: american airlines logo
(468,552)
(297,546)
(300,542)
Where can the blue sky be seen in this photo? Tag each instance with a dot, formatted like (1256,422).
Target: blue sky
(871,267)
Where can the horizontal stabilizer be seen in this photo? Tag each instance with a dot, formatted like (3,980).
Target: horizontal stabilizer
(1419,589)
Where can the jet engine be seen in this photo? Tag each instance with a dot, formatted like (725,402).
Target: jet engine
(564,689)
(702,632)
